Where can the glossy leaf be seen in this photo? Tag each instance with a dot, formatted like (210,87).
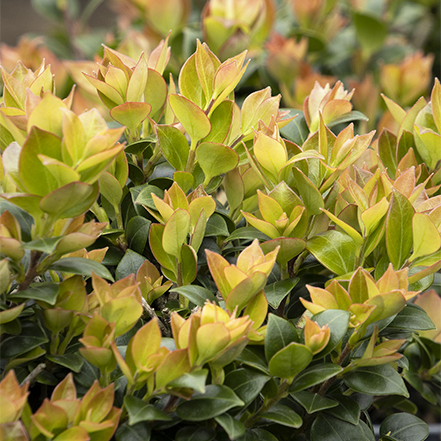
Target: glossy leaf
(376,380)
(174,146)
(231,425)
(279,334)
(404,427)
(329,428)
(277,291)
(335,250)
(313,402)
(290,361)
(196,294)
(399,236)
(131,114)
(283,415)
(315,375)
(81,266)
(246,383)
(138,410)
(216,401)
(175,232)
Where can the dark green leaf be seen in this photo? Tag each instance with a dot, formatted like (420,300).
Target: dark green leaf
(144,197)
(338,322)
(129,264)
(376,380)
(348,410)
(367,431)
(194,380)
(387,149)
(195,434)
(74,361)
(24,219)
(138,432)
(404,427)
(246,383)
(257,435)
(139,410)
(297,130)
(216,400)
(328,428)
(81,266)
(354,115)
(196,294)
(399,235)
(250,358)
(44,291)
(290,361)
(283,415)
(412,317)
(371,32)
(335,250)
(174,146)
(277,291)
(313,402)
(138,147)
(247,233)
(45,245)
(279,334)
(233,427)
(31,337)
(137,233)
(216,226)
(315,375)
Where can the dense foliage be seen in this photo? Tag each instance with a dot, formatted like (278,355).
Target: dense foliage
(190,260)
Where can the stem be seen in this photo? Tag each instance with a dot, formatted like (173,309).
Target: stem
(236,141)
(327,384)
(67,339)
(31,272)
(283,387)
(33,375)
(191,161)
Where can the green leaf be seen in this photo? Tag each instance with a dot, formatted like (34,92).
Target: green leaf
(313,402)
(216,401)
(315,375)
(277,291)
(297,130)
(111,189)
(376,380)
(24,219)
(216,226)
(81,266)
(354,115)
(247,233)
(188,264)
(338,322)
(174,146)
(137,233)
(74,361)
(44,291)
(138,432)
(221,121)
(289,248)
(195,434)
(144,197)
(283,415)
(139,410)
(404,427)
(279,334)
(335,250)
(129,264)
(31,337)
(193,118)
(328,428)
(196,294)
(311,197)
(347,410)
(290,361)
(46,245)
(215,159)
(412,317)
(371,32)
(387,149)
(399,235)
(175,232)
(131,114)
(246,383)
(193,380)
(231,425)
(250,358)
(72,200)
